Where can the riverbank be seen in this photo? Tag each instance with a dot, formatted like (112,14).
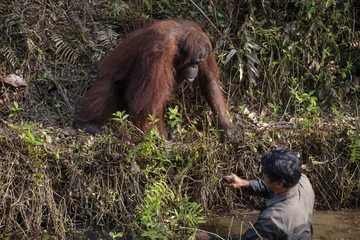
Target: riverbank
(344,224)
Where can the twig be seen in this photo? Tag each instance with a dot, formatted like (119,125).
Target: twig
(206,17)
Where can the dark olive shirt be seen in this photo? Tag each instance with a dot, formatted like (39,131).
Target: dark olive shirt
(286,216)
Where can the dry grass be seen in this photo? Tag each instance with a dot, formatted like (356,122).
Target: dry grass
(56,182)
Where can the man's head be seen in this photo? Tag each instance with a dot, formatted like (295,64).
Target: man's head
(281,167)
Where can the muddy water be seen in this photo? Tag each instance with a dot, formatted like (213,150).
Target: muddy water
(339,225)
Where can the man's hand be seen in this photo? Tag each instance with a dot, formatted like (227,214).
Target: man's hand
(236,182)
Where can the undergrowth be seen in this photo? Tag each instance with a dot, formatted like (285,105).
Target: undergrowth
(290,72)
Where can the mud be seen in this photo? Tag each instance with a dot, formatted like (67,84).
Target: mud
(327,224)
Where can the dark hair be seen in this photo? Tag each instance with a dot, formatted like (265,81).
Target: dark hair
(282,166)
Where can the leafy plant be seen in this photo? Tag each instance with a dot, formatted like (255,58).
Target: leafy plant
(166,215)
(27,135)
(175,120)
(174,116)
(35,152)
(16,108)
(120,116)
(306,108)
(275,108)
(115,235)
(306,103)
(151,148)
(153,119)
(355,150)
(310,8)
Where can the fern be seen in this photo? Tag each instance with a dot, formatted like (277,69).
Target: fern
(355,150)
(166,215)
(9,22)
(105,41)
(9,56)
(64,51)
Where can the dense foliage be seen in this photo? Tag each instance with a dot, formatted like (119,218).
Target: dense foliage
(290,71)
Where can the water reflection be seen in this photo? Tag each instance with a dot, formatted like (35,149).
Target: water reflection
(327,224)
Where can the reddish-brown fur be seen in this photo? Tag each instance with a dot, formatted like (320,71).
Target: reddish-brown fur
(142,71)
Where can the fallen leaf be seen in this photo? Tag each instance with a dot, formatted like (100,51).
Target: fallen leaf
(15,80)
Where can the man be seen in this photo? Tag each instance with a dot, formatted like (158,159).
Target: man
(290,199)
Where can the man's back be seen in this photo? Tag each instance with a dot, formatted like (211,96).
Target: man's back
(288,215)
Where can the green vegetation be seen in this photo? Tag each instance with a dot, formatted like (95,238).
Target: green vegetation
(290,71)
(166,215)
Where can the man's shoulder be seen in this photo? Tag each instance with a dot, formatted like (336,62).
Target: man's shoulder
(304,178)
(305,184)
